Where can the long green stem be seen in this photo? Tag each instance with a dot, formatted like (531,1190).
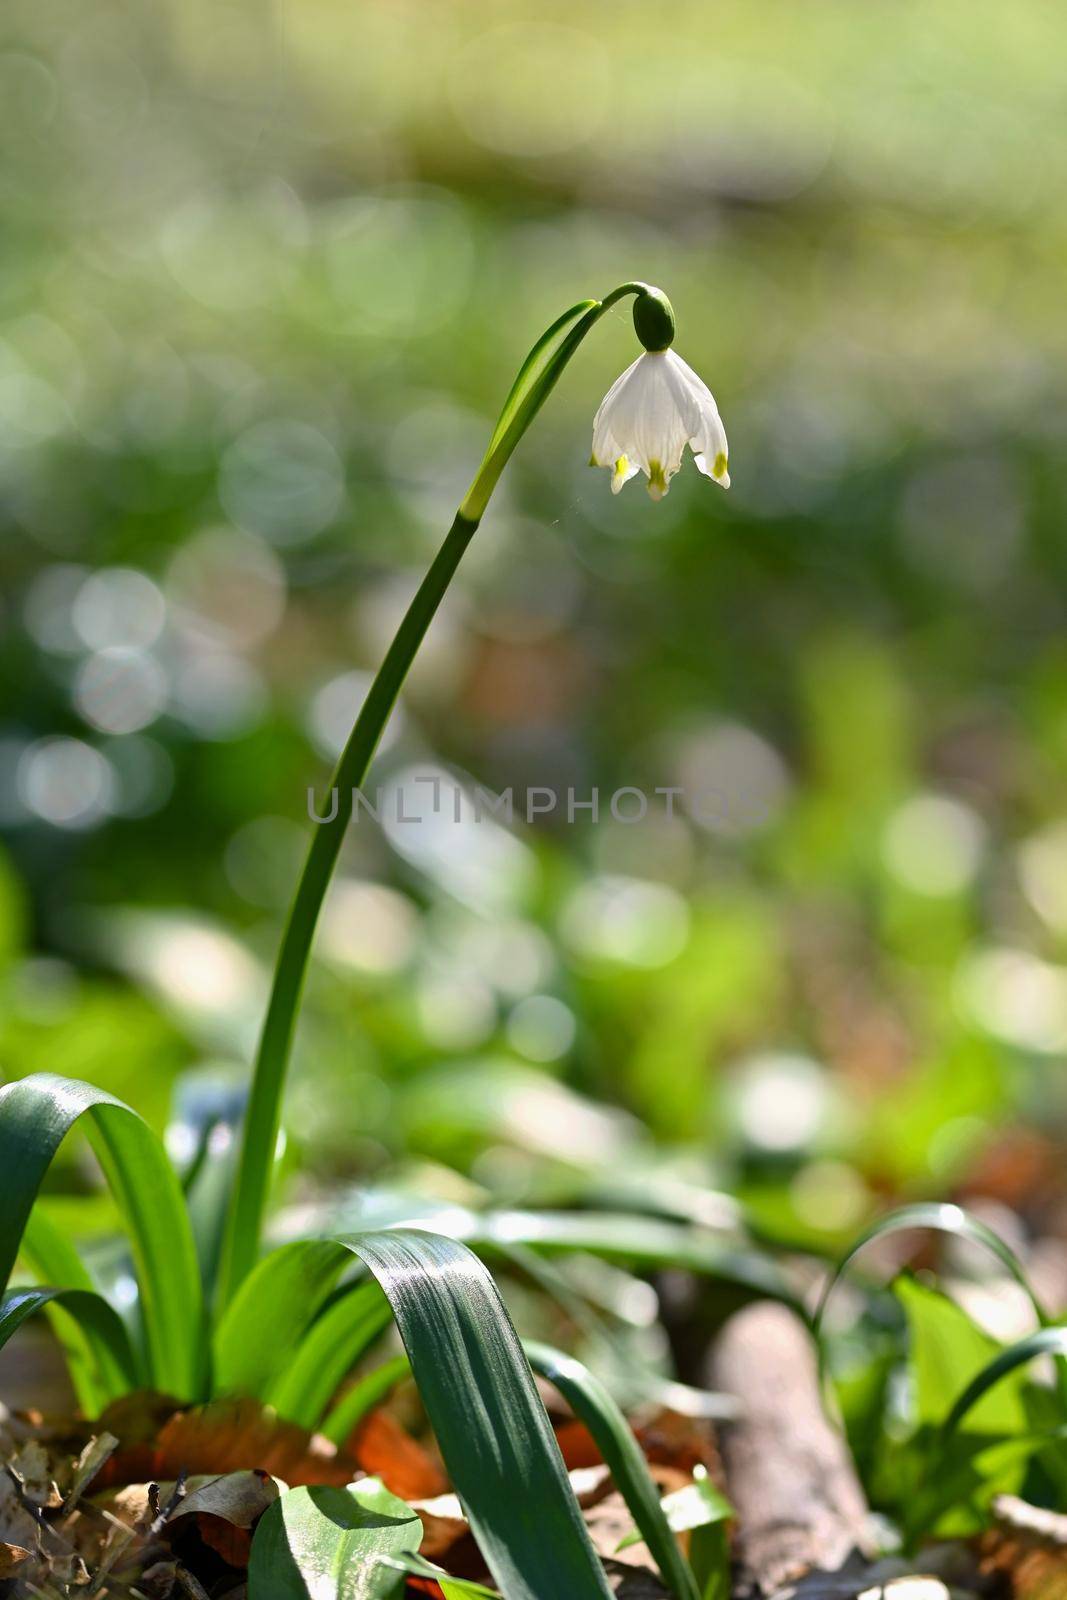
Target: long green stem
(259,1136)
(537,377)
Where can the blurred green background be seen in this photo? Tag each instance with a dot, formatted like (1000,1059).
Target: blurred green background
(267,273)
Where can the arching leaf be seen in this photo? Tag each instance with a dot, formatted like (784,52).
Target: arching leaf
(35,1115)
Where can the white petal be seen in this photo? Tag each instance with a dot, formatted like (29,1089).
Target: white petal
(606,445)
(606,448)
(649,414)
(625,469)
(688,391)
(647,422)
(711,440)
(697,403)
(707,436)
(619,384)
(721,477)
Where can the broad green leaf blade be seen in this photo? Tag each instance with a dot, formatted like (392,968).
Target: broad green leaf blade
(326,1544)
(593,1405)
(340,1336)
(263,1326)
(945,1350)
(950,1219)
(491,1428)
(35,1115)
(1046,1341)
(111,1368)
(363,1397)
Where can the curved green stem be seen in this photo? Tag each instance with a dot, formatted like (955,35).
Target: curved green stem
(536,379)
(518,412)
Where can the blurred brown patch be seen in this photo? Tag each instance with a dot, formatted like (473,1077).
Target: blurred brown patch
(383,1448)
(224,1436)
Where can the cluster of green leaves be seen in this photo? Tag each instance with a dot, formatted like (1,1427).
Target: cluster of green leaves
(972,1417)
(359,1543)
(976,1420)
(296,1326)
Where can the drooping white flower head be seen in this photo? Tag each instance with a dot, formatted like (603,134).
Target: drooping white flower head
(649,415)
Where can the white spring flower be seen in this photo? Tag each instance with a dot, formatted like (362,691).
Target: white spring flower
(649,415)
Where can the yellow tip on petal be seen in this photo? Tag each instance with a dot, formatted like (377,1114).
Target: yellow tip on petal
(719,468)
(620,475)
(657,482)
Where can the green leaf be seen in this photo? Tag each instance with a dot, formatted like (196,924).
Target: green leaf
(35,1115)
(452,1588)
(523,377)
(950,1219)
(362,1397)
(53,1259)
(698,1505)
(593,1405)
(111,1369)
(615,1235)
(262,1328)
(51,1253)
(964,1467)
(473,1378)
(946,1349)
(1046,1341)
(709,1557)
(491,1428)
(1044,1412)
(623,1236)
(333,1344)
(326,1544)
(701,1511)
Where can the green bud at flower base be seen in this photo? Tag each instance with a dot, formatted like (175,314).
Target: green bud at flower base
(653,319)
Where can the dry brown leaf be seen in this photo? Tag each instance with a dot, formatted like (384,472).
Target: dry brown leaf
(385,1450)
(1028,1547)
(89,1463)
(137,1417)
(132,1504)
(443,1524)
(424,1586)
(609,1522)
(31,1466)
(238,1497)
(577,1445)
(224,1512)
(671,1440)
(224,1436)
(12,1557)
(667,1439)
